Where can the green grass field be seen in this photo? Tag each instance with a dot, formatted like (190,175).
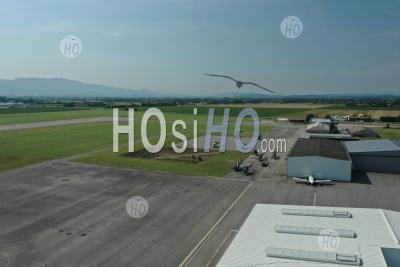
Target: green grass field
(20,148)
(216,165)
(26,147)
(30,110)
(234,111)
(52,116)
(388,133)
(22,115)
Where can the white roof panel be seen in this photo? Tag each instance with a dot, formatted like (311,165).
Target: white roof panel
(258,233)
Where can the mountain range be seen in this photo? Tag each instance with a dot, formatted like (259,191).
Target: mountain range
(59,87)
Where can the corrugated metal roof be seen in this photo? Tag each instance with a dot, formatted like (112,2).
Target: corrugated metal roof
(258,233)
(320,147)
(393,218)
(372,146)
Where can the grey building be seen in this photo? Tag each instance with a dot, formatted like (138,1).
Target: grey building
(375,155)
(321,158)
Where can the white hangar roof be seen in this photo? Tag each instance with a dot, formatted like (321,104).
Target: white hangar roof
(283,235)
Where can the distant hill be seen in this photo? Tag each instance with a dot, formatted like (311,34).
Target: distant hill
(58,87)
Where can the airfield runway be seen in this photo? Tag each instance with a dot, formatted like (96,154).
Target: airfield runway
(60,213)
(67,214)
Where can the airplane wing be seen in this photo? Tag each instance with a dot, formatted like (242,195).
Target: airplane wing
(222,76)
(300,179)
(322,181)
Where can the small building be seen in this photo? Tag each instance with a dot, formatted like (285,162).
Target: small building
(318,127)
(380,155)
(309,236)
(320,120)
(321,158)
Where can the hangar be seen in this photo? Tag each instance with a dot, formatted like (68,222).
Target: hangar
(375,155)
(321,158)
(309,236)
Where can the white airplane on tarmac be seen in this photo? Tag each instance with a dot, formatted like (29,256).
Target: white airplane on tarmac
(310,180)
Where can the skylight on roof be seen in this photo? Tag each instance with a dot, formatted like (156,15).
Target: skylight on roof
(317,213)
(301,230)
(315,256)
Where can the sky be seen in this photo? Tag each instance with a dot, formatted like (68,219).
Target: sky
(167,45)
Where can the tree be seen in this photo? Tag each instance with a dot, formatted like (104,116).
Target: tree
(310,116)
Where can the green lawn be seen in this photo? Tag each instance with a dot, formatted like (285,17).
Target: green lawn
(37,109)
(234,111)
(388,133)
(25,147)
(52,116)
(27,115)
(216,165)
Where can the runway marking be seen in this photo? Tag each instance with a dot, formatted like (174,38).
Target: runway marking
(220,246)
(227,178)
(315,197)
(187,259)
